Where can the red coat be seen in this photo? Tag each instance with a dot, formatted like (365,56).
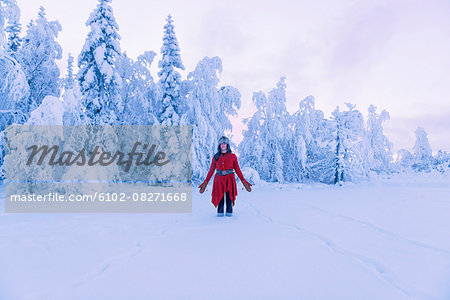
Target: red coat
(224,183)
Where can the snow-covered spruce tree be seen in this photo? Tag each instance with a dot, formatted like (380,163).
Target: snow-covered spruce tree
(342,139)
(422,151)
(379,148)
(208,109)
(329,164)
(139,92)
(38,55)
(100,85)
(172,104)
(13,29)
(74,113)
(100,82)
(69,80)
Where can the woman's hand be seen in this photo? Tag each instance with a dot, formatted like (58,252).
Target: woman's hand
(203,187)
(247,185)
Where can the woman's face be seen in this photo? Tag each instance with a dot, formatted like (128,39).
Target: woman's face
(223,147)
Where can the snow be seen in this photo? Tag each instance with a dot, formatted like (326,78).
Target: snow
(50,112)
(90,76)
(381,239)
(99,54)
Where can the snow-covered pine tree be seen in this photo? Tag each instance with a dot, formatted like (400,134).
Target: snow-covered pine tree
(329,165)
(379,149)
(74,113)
(124,66)
(5,7)
(172,104)
(37,56)
(422,151)
(100,82)
(13,29)
(69,80)
(343,144)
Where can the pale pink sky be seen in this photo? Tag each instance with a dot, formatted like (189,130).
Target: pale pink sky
(393,54)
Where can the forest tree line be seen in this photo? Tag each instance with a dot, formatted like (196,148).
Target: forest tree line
(108,87)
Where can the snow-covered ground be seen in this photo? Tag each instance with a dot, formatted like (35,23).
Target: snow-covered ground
(384,239)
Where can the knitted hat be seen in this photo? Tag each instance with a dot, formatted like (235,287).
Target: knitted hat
(225,140)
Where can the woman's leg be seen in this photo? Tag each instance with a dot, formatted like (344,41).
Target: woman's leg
(220,206)
(229,204)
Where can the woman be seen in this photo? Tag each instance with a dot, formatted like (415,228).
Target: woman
(224,185)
